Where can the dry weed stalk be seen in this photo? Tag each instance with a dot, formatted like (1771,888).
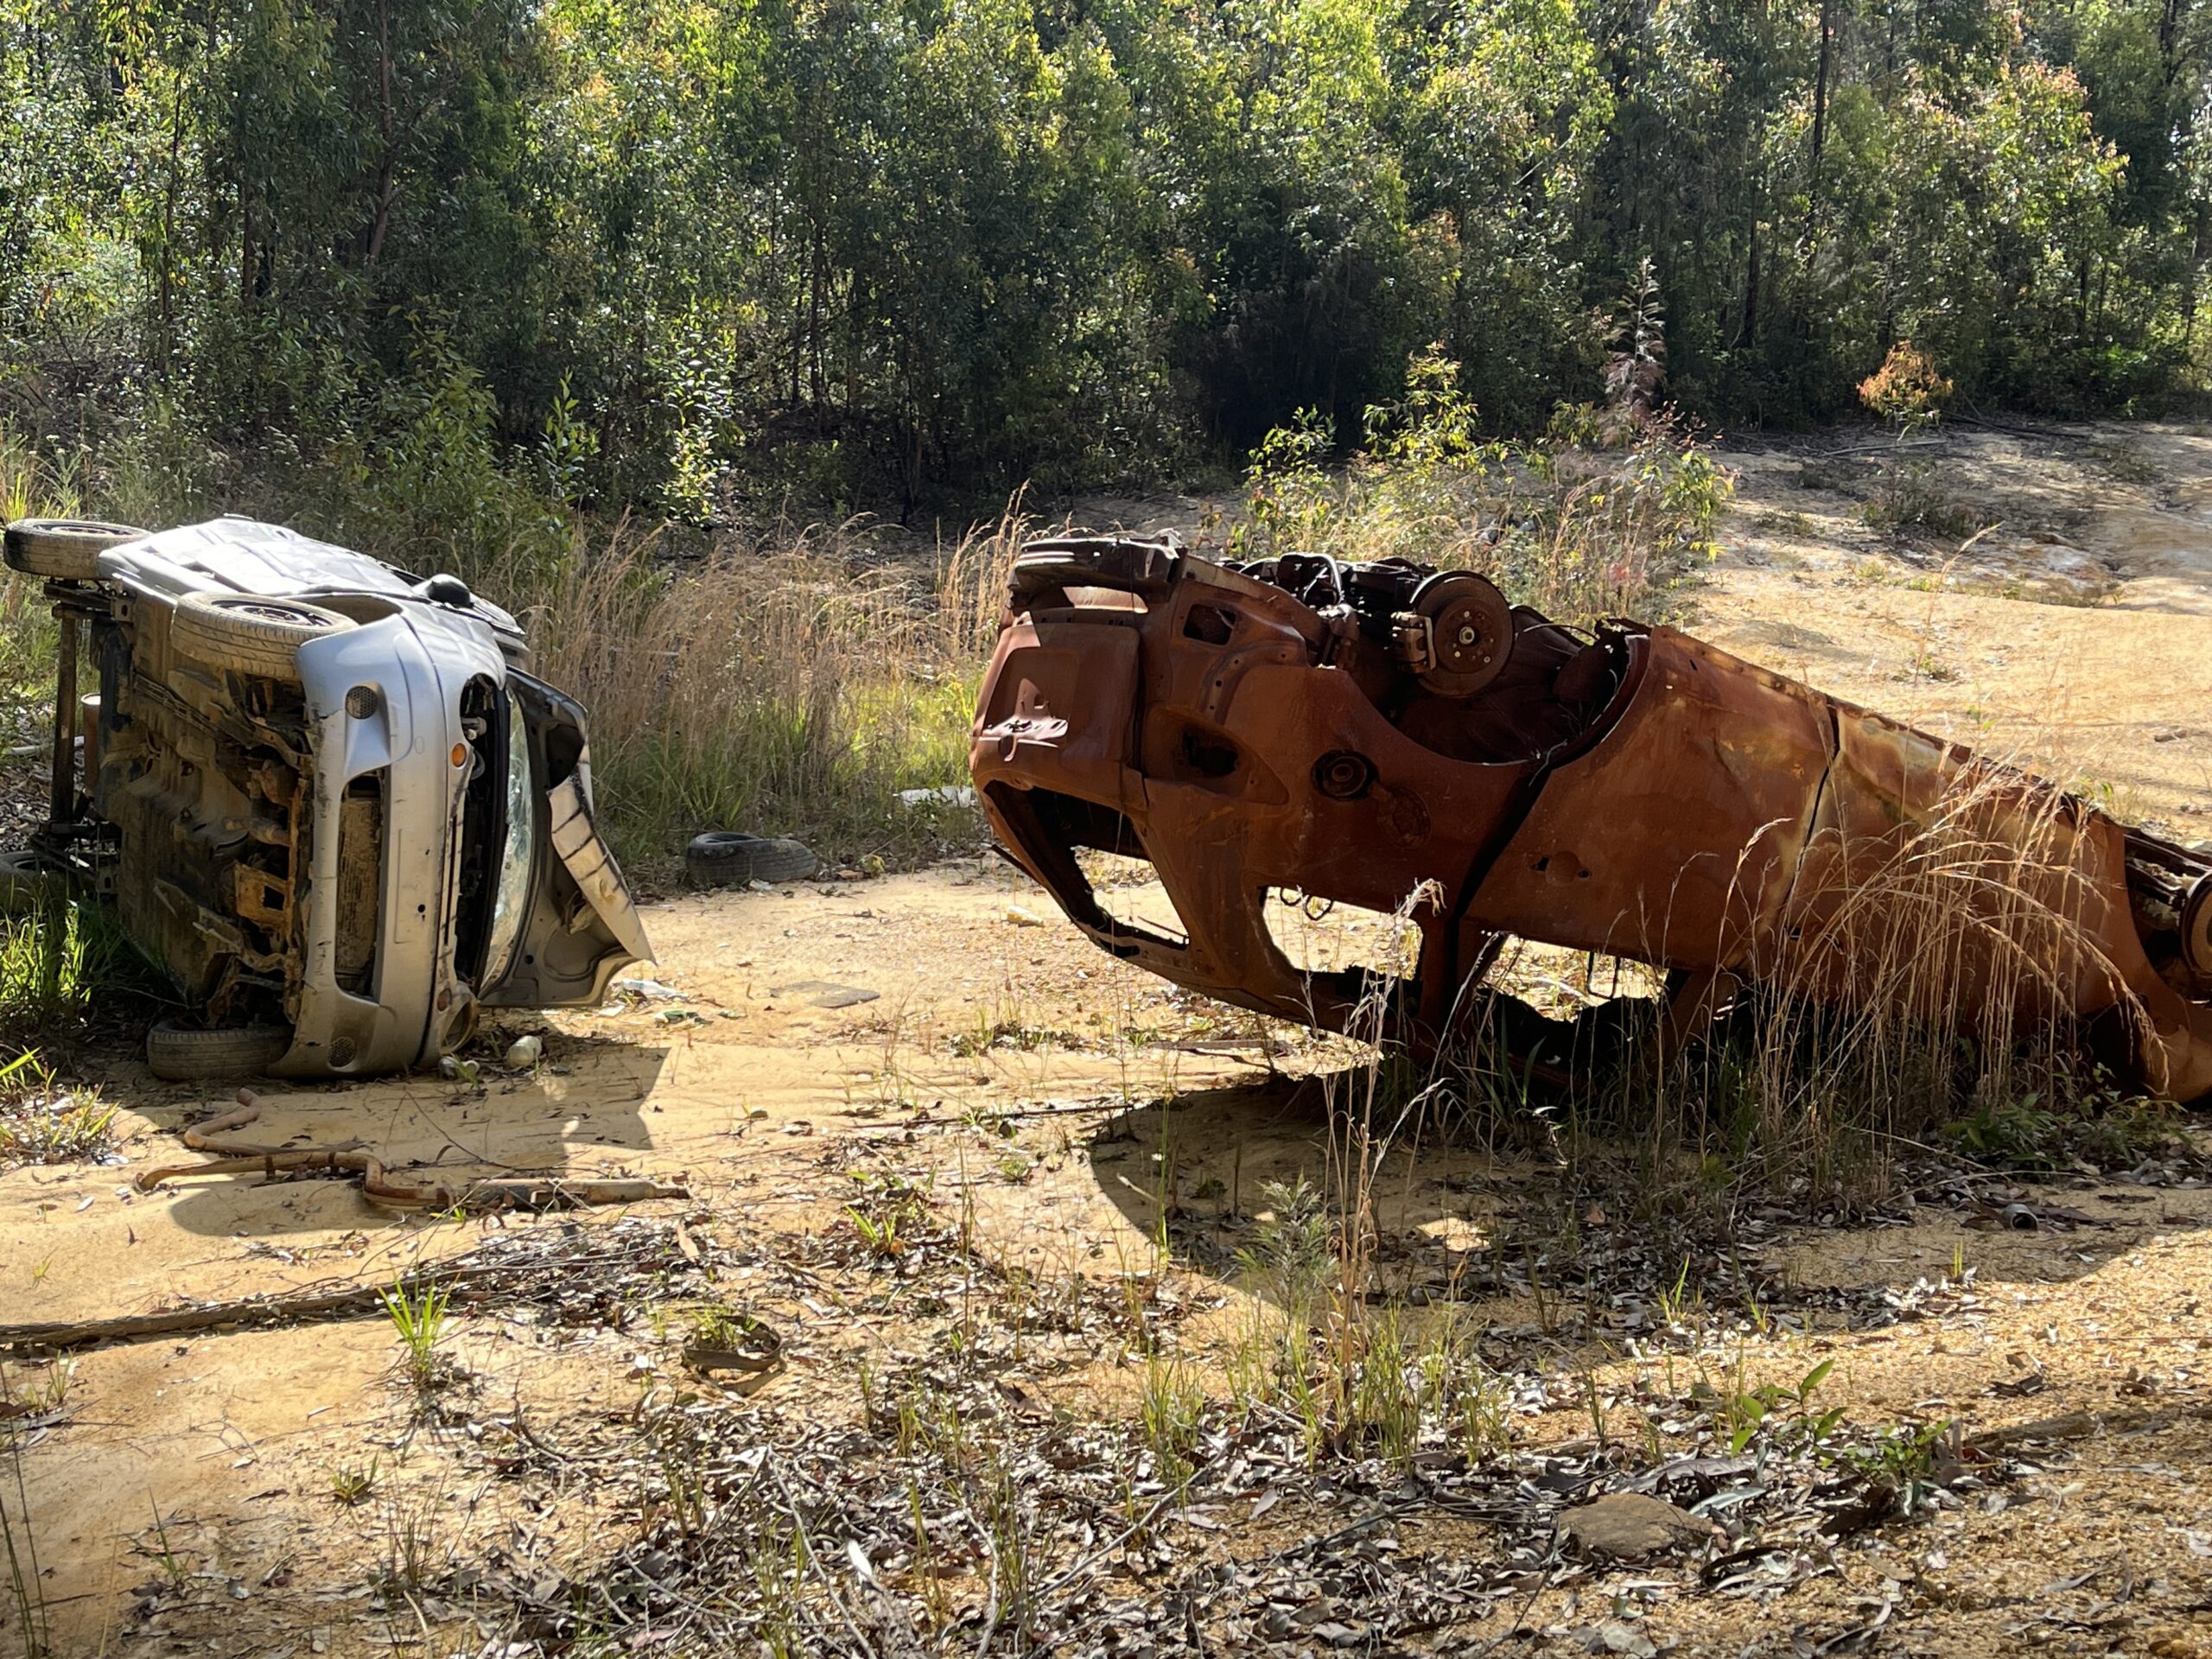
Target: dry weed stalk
(796,691)
(1937,973)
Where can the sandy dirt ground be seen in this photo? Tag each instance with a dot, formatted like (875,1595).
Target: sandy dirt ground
(799,1053)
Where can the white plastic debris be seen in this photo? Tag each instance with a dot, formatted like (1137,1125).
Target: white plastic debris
(947,795)
(525,1052)
(1021,918)
(653,990)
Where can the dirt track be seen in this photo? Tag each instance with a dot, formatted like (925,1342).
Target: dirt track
(181,1491)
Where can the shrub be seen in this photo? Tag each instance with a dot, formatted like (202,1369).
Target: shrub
(1601,516)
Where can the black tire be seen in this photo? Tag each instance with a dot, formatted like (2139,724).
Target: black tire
(66,550)
(187,1054)
(28,884)
(728,858)
(248,633)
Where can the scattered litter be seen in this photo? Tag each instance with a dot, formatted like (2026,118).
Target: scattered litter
(525,1052)
(1021,918)
(946,795)
(651,989)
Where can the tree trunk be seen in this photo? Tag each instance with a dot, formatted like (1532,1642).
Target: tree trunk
(1751,335)
(381,225)
(1820,101)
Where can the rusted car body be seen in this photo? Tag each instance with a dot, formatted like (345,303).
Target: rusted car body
(1391,737)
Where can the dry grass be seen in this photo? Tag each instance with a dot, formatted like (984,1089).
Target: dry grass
(1596,520)
(1942,986)
(796,692)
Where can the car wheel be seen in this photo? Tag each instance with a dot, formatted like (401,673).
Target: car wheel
(27,885)
(727,858)
(190,1054)
(64,549)
(246,633)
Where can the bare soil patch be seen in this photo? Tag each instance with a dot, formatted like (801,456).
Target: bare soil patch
(1014,1210)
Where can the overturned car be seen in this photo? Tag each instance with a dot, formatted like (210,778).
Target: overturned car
(1396,738)
(325,796)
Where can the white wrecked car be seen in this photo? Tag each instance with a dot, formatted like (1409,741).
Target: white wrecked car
(325,795)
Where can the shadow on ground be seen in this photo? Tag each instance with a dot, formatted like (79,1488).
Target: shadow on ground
(577,1115)
(1472,1212)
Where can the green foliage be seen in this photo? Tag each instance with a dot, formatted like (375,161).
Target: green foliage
(1786,1416)
(1591,520)
(1906,1461)
(60,959)
(41,1122)
(686,257)
(2090,1122)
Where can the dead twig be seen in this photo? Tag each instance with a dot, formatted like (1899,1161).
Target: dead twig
(351,1157)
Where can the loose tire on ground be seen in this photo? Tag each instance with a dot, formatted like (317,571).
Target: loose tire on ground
(184,1054)
(63,550)
(727,858)
(246,633)
(27,885)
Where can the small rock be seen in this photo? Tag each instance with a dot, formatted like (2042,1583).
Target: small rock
(1615,1636)
(1628,1526)
(823,994)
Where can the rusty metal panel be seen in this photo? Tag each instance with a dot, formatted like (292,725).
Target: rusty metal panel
(1059,705)
(1674,838)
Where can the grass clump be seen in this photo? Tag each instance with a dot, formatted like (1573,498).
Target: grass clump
(1171,1408)
(43,1123)
(64,962)
(418,1319)
(1382,1380)
(353,1484)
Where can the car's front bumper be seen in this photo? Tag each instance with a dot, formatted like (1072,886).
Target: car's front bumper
(417,666)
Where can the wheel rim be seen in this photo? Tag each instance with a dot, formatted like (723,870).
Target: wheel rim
(88,528)
(269,610)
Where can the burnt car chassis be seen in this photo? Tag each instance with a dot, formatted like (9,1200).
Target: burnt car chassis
(1401,739)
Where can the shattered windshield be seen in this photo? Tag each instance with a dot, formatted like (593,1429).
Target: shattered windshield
(511,903)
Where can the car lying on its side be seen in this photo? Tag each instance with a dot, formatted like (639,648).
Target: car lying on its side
(1383,734)
(326,797)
